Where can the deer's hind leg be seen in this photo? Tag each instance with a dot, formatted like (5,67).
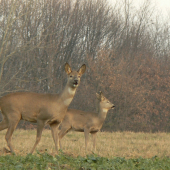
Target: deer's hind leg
(4,124)
(10,123)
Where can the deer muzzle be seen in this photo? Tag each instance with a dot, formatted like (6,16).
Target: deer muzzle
(75,82)
(113,107)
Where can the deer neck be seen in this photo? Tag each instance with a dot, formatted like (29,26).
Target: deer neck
(102,113)
(67,95)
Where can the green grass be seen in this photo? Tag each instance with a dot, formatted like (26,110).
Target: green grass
(115,151)
(91,162)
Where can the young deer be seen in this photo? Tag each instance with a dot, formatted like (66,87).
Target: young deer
(40,108)
(87,122)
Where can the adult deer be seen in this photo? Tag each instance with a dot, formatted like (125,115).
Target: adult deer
(40,108)
(87,122)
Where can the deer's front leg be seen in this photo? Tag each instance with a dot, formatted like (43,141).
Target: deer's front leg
(40,126)
(86,135)
(54,131)
(94,140)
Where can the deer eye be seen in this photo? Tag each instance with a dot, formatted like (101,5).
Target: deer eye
(71,76)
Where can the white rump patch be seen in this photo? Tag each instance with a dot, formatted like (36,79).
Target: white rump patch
(71,91)
(67,101)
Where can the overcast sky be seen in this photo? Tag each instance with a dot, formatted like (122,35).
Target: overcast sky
(163,5)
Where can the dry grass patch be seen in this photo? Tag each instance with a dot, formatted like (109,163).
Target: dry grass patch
(116,144)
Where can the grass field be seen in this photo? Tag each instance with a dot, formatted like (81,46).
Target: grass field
(116,144)
(126,149)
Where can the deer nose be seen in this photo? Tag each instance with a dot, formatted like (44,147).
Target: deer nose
(113,106)
(76,82)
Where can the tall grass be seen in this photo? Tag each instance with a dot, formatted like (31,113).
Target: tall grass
(115,144)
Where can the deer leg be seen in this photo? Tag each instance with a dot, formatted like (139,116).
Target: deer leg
(3,124)
(40,126)
(94,140)
(86,135)
(8,136)
(62,133)
(54,131)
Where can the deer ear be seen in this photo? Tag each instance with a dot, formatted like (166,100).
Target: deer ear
(98,96)
(82,69)
(67,68)
(102,97)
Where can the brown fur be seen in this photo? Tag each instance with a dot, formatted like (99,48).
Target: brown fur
(40,108)
(87,122)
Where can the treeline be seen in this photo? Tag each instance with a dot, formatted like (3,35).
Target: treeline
(126,51)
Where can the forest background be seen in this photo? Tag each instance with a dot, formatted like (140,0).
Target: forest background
(126,50)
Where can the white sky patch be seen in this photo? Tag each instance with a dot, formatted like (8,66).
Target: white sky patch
(162,6)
